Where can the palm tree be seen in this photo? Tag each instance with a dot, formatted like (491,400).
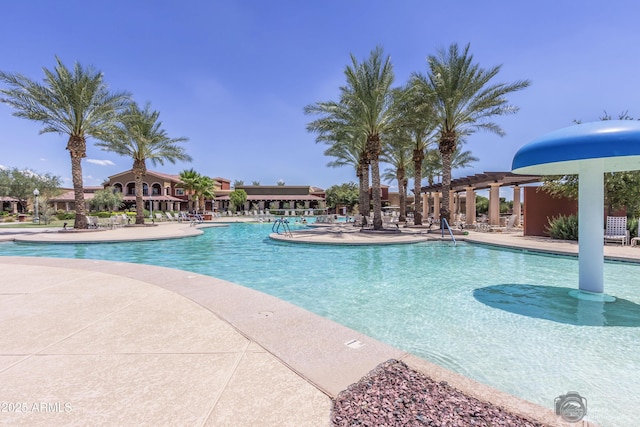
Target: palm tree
(204,190)
(142,138)
(351,151)
(365,112)
(397,152)
(189,178)
(463,99)
(416,118)
(335,128)
(75,103)
(432,167)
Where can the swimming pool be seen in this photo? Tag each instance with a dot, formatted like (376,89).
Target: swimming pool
(479,311)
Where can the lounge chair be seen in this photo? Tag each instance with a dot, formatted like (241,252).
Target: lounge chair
(171,217)
(159,216)
(616,230)
(92,222)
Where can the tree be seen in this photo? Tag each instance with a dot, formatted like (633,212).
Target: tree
(255,183)
(189,178)
(464,99)
(364,111)
(204,189)
(141,137)
(397,152)
(344,194)
(109,199)
(432,167)
(348,148)
(238,183)
(75,103)
(238,199)
(280,183)
(19,184)
(416,118)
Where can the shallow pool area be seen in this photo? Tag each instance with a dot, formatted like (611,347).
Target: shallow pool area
(498,316)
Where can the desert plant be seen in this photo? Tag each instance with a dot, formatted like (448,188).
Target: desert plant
(563,227)
(632,225)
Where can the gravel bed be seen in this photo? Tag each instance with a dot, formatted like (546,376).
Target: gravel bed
(395,395)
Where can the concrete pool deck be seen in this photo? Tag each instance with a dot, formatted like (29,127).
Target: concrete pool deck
(91,342)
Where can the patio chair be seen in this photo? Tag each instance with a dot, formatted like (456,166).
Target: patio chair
(616,230)
(171,217)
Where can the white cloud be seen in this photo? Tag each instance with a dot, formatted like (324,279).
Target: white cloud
(101,162)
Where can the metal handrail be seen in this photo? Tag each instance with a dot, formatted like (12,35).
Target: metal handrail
(444,221)
(285,227)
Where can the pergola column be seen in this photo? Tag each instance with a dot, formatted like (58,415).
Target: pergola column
(494,204)
(452,204)
(436,206)
(425,206)
(517,211)
(470,211)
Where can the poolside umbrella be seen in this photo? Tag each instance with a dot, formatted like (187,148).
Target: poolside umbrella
(588,150)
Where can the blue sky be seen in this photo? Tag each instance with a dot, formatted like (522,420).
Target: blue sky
(234,76)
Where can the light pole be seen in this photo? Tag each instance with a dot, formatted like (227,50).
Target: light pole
(36,193)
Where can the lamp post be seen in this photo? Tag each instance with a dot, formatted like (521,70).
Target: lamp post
(36,193)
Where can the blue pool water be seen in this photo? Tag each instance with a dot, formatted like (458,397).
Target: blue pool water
(500,317)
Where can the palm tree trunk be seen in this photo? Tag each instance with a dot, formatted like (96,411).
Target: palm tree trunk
(446,184)
(374,155)
(405,188)
(365,207)
(402,191)
(139,170)
(418,157)
(78,191)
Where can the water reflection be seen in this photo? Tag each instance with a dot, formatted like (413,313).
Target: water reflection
(555,304)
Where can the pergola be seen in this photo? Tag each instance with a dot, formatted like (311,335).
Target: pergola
(482,181)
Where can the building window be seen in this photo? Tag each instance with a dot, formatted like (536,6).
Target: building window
(179,191)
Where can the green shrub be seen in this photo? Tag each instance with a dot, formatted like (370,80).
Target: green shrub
(563,227)
(632,225)
(63,216)
(103,214)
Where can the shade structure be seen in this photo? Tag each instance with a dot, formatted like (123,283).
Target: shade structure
(615,143)
(588,150)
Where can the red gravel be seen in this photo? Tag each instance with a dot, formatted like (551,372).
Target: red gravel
(395,395)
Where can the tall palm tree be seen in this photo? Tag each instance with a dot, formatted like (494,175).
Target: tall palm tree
(190,178)
(369,95)
(432,166)
(416,117)
(396,151)
(464,99)
(76,103)
(348,150)
(336,128)
(365,112)
(141,137)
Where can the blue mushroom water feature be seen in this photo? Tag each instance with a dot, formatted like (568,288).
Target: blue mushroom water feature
(588,150)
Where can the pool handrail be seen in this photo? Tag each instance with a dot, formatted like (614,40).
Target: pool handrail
(445,223)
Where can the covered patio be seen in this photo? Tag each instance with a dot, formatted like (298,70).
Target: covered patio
(493,181)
